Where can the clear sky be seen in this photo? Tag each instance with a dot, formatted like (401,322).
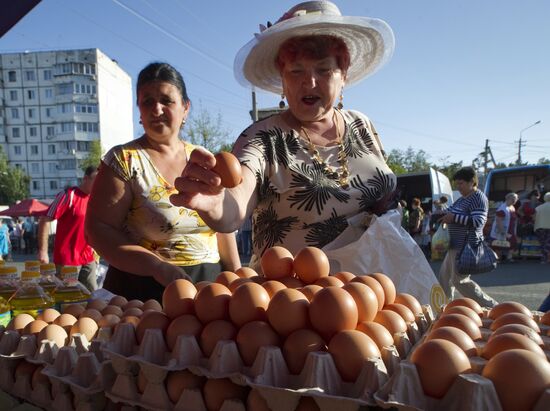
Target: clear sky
(462,72)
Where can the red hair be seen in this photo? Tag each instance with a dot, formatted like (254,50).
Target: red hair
(313,47)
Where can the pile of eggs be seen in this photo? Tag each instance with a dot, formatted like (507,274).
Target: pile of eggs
(513,354)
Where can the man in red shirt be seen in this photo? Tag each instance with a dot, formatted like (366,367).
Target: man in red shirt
(70,246)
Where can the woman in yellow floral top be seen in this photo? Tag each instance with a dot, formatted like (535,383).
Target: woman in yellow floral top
(147,241)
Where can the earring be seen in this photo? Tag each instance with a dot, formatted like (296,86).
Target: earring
(282,102)
(182,124)
(140,122)
(340,104)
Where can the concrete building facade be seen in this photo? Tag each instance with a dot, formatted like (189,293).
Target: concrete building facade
(53,104)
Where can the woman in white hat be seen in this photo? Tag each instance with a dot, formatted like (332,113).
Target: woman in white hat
(312,167)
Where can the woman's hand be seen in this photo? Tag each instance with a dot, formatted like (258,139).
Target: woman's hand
(166,273)
(447,218)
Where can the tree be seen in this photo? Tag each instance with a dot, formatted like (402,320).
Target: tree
(543,160)
(449,169)
(408,161)
(94,157)
(14,182)
(205,130)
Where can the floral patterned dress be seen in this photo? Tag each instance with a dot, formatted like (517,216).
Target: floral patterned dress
(299,204)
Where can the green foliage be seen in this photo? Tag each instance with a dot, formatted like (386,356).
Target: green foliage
(408,161)
(449,169)
(205,130)
(543,160)
(94,158)
(14,182)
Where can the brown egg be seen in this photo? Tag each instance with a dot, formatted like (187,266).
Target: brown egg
(151,320)
(307,404)
(344,276)
(310,264)
(403,311)
(272,286)
(177,381)
(510,341)
(53,333)
(134,304)
(201,284)
(466,324)
(218,330)
(365,299)
(379,334)
(393,322)
(186,324)
(118,300)
(468,312)
(374,286)
(112,309)
(255,402)
(91,313)
(388,286)
(277,262)
(178,298)
(514,318)
(456,336)
(34,327)
(518,329)
(288,311)
(129,319)
(508,307)
(141,381)
(212,303)
(329,281)
(74,309)
(226,278)
(228,168)
(108,321)
(19,322)
(259,279)
(133,311)
(38,378)
(252,336)
(249,302)
(350,349)
(465,302)
(332,309)
(49,315)
(409,301)
(153,304)
(85,326)
(218,390)
(239,281)
(298,345)
(292,282)
(66,321)
(96,304)
(519,377)
(310,290)
(246,272)
(428,358)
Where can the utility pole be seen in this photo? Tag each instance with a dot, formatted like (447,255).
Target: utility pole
(485,155)
(254,107)
(521,144)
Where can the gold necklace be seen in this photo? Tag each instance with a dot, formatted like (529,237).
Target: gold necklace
(343,175)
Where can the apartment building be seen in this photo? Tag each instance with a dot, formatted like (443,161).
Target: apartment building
(53,104)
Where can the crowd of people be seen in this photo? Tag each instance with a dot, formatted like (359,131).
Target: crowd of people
(18,235)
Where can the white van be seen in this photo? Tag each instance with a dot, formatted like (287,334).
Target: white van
(428,186)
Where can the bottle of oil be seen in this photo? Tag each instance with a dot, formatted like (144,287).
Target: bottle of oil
(32,265)
(9,279)
(30,297)
(48,278)
(5,312)
(72,291)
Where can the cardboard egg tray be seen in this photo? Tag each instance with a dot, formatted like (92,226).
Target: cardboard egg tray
(470,391)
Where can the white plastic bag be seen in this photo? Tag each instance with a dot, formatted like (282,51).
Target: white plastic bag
(440,242)
(385,247)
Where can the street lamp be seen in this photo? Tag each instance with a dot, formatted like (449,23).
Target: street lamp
(520,140)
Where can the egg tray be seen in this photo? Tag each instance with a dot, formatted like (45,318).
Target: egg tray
(10,403)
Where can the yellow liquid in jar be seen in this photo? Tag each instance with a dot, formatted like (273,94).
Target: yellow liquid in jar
(5,313)
(67,295)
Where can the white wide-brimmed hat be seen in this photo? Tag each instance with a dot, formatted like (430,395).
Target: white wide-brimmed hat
(370,43)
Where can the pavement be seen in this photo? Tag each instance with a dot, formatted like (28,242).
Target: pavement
(524,281)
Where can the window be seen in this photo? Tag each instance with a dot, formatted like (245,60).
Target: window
(66,88)
(17,150)
(31,94)
(12,76)
(15,132)
(50,131)
(51,148)
(65,108)
(14,113)
(67,164)
(48,93)
(83,145)
(33,132)
(87,127)
(84,88)
(35,169)
(53,185)
(36,185)
(34,150)
(52,167)
(13,95)
(49,111)
(47,74)
(29,75)
(66,127)
(31,112)
(86,108)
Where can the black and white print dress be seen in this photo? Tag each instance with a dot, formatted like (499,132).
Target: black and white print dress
(298,204)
